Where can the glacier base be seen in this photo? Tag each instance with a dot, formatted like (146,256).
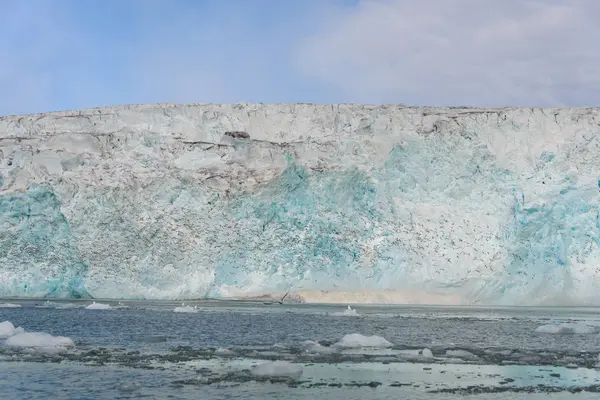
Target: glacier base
(344,203)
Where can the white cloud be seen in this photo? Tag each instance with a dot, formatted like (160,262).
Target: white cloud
(474,52)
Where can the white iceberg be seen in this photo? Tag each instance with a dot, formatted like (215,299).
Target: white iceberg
(98,306)
(462,354)
(10,305)
(40,342)
(568,329)
(356,340)
(349,312)
(282,369)
(311,346)
(7,329)
(185,309)
(427,353)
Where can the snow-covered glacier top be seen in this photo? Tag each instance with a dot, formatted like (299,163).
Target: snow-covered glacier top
(333,202)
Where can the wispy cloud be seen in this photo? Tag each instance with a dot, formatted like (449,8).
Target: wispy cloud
(477,52)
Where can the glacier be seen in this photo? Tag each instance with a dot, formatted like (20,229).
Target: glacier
(332,203)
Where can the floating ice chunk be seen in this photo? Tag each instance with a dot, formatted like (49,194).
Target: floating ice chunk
(39,341)
(349,312)
(224,352)
(186,309)
(66,306)
(278,369)
(311,346)
(56,305)
(10,305)
(462,354)
(568,329)
(356,340)
(129,387)
(427,353)
(98,306)
(7,329)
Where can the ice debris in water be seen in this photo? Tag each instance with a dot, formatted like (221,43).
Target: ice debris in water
(7,329)
(129,387)
(38,339)
(349,312)
(185,309)
(568,329)
(427,353)
(356,340)
(10,305)
(277,369)
(55,305)
(224,352)
(462,354)
(311,346)
(98,306)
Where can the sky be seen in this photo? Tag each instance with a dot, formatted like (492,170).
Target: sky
(73,54)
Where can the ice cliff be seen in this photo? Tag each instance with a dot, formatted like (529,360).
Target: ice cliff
(494,206)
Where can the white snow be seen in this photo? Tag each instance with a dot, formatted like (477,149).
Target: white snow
(10,305)
(356,340)
(568,329)
(277,369)
(98,306)
(349,312)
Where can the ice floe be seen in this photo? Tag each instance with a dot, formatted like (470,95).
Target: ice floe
(277,369)
(356,340)
(34,341)
(310,346)
(98,306)
(38,339)
(10,305)
(185,309)
(568,329)
(7,329)
(426,353)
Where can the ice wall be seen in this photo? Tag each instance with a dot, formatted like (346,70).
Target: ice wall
(184,201)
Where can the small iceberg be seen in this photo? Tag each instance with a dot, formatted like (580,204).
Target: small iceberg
(185,309)
(39,341)
(311,346)
(356,340)
(7,329)
(98,306)
(279,369)
(568,329)
(349,312)
(426,353)
(462,354)
(10,305)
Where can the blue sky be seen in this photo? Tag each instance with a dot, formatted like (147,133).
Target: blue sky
(71,54)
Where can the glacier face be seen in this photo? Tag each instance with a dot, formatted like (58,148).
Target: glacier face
(495,206)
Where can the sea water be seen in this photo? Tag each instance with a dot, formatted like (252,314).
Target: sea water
(129,350)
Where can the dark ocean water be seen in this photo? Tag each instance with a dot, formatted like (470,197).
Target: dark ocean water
(146,350)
